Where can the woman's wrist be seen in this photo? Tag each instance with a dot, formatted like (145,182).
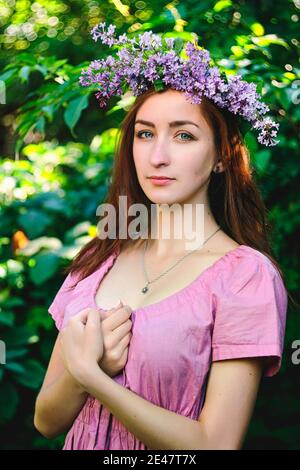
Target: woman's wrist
(90,376)
(75,383)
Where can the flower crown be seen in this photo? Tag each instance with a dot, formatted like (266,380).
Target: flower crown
(151,59)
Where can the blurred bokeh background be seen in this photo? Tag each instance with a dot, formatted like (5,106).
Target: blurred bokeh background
(56,155)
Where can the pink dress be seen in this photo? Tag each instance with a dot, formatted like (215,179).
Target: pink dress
(235,308)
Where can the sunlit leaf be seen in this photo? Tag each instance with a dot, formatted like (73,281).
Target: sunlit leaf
(219,6)
(74,110)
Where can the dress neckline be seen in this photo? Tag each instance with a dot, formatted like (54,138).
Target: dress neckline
(102,270)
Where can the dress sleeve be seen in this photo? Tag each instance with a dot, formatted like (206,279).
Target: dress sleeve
(250,312)
(61,299)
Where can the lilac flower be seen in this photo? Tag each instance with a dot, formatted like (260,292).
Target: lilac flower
(145,60)
(99,32)
(266,135)
(145,40)
(122,39)
(169,42)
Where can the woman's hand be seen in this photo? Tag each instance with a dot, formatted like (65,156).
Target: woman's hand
(116,327)
(82,344)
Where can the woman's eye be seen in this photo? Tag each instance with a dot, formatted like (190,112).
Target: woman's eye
(189,136)
(138,134)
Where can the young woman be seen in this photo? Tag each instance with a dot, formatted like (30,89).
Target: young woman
(178,362)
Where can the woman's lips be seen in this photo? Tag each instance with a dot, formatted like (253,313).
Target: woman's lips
(161,181)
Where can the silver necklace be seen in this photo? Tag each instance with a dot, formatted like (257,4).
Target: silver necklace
(146,288)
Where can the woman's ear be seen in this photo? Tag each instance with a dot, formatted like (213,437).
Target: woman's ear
(218,167)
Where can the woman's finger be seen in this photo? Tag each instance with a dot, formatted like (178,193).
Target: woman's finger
(82,316)
(116,317)
(93,337)
(93,320)
(107,313)
(118,333)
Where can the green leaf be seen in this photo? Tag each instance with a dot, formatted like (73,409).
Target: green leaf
(42,69)
(25,57)
(244,126)
(262,159)
(37,319)
(40,125)
(33,375)
(24,73)
(73,111)
(15,367)
(14,302)
(46,266)
(259,86)
(7,318)
(224,76)
(250,142)
(17,336)
(6,75)
(159,85)
(14,353)
(49,110)
(34,222)
(178,45)
(9,400)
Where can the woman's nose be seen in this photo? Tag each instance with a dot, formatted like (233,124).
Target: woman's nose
(159,154)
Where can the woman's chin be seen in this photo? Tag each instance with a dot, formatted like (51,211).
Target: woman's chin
(162,199)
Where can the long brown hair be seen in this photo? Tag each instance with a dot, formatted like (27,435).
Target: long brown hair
(234,198)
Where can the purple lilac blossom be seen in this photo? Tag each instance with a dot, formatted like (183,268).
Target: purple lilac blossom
(143,61)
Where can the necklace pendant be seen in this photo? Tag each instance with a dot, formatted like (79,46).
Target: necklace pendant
(145,289)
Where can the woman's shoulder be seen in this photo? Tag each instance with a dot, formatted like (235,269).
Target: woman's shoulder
(247,271)
(233,257)
(247,257)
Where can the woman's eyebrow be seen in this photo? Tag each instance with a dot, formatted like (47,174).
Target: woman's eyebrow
(171,124)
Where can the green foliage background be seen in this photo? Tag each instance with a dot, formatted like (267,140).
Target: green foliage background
(56,154)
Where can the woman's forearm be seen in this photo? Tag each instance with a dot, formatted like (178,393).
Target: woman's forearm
(58,405)
(153,425)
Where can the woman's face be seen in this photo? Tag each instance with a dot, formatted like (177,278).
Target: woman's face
(183,151)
